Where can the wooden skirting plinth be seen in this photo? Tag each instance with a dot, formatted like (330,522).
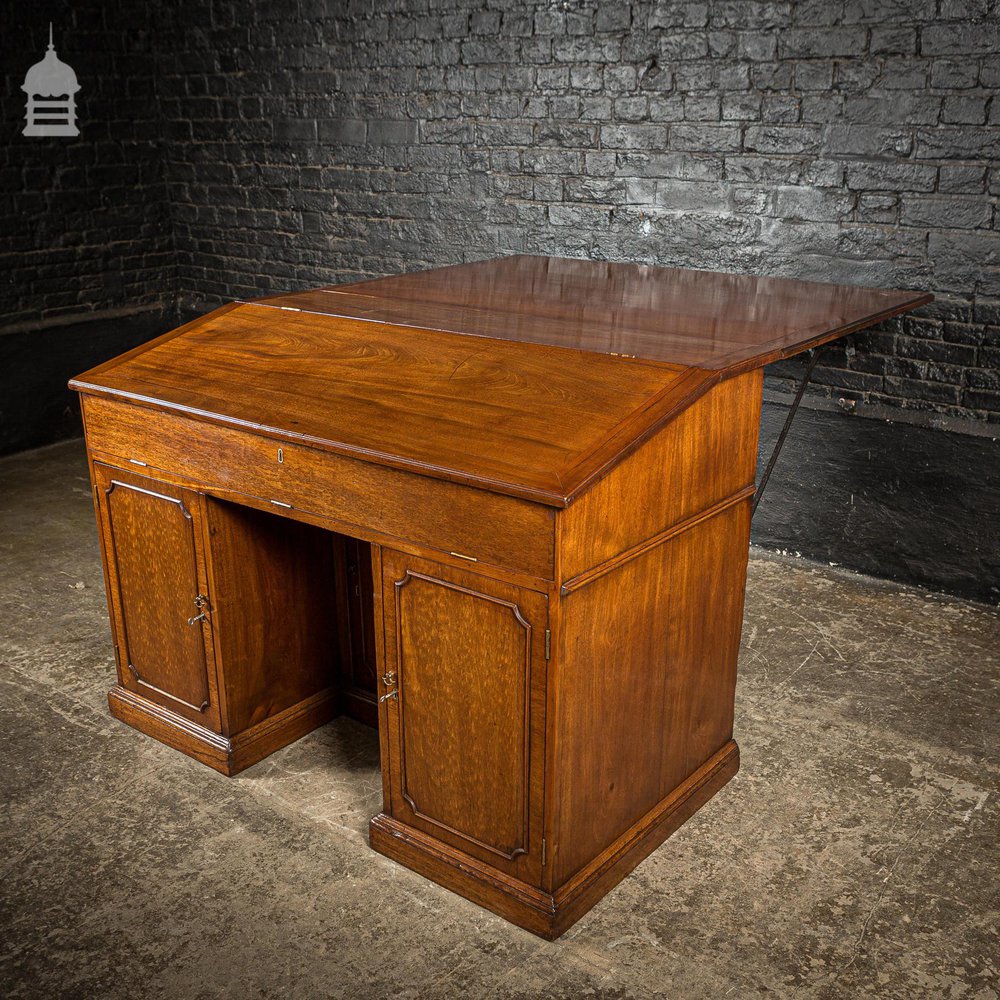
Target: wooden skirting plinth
(550,914)
(228,755)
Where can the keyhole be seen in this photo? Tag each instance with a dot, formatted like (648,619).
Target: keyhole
(281,456)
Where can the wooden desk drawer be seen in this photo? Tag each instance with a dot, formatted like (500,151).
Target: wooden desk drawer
(449,517)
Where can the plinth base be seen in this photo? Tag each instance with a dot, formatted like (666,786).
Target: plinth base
(550,914)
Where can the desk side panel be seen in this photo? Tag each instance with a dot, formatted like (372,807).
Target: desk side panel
(652,569)
(646,660)
(699,460)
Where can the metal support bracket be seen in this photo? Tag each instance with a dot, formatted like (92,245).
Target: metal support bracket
(776,450)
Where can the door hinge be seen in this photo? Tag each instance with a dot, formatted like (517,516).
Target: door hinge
(548,644)
(543,852)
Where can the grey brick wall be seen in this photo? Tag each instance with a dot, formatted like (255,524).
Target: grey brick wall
(311,141)
(84,222)
(841,140)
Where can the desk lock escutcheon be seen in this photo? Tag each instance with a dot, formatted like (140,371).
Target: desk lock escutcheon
(200,602)
(388,679)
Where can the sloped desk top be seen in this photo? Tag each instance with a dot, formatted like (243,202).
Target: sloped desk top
(530,376)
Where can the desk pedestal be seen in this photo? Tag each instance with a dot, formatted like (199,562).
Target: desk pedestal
(547,716)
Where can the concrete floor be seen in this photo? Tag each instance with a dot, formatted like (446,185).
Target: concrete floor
(854,855)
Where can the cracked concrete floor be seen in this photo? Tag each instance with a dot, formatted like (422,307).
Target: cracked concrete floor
(854,855)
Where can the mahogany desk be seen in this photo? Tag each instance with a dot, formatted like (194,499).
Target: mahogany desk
(501,509)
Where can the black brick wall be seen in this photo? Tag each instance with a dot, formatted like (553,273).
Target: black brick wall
(84,222)
(841,140)
(232,149)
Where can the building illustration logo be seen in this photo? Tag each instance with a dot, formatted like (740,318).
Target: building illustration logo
(51,87)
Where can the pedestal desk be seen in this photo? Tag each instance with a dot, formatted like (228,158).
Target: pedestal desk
(500,510)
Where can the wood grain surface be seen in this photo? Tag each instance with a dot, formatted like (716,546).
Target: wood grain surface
(701,458)
(152,543)
(705,319)
(273,594)
(523,420)
(525,375)
(465,709)
(359,498)
(647,661)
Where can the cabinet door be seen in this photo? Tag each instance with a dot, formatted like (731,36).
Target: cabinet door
(157,592)
(465,656)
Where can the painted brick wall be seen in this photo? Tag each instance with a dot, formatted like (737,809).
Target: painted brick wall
(84,222)
(842,140)
(230,149)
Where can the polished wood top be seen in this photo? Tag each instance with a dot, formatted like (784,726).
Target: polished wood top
(523,419)
(704,319)
(544,374)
